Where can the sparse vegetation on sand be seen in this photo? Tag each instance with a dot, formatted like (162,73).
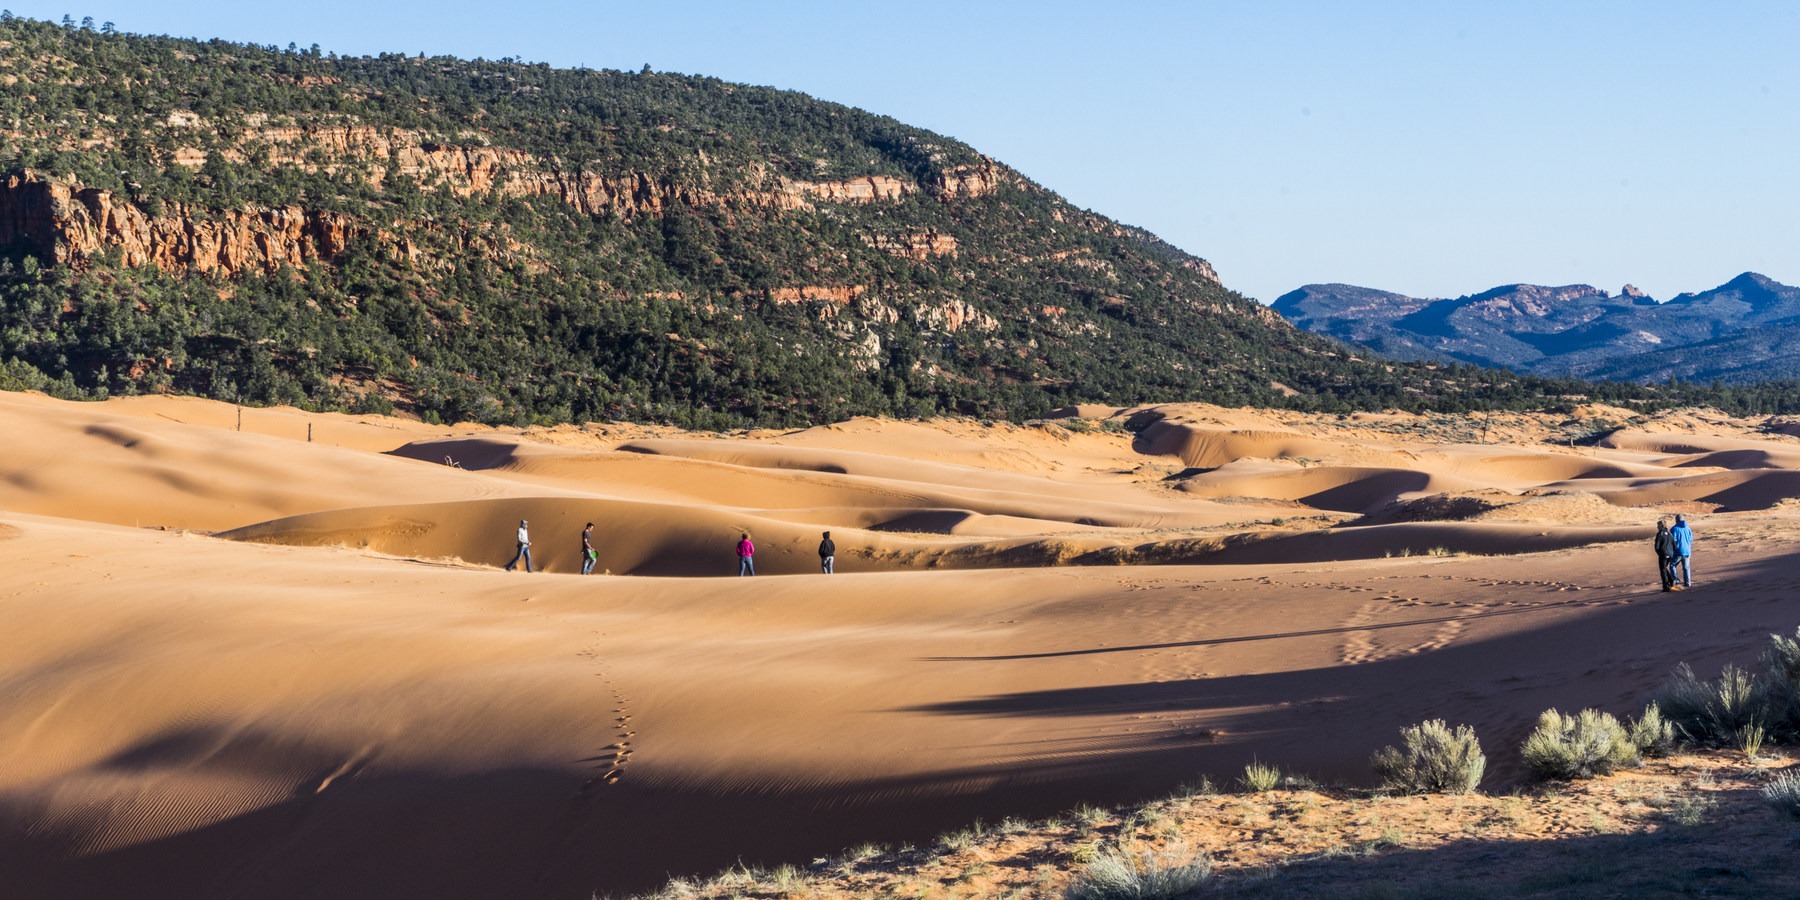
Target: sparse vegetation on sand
(1286,836)
(1637,830)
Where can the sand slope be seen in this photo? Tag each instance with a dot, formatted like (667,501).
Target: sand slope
(339,694)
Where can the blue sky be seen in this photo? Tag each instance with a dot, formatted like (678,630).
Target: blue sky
(1427,148)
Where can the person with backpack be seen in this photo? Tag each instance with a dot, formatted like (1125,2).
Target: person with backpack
(746,553)
(1665,555)
(589,555)
(524,547)
(827,554)
(1683,538)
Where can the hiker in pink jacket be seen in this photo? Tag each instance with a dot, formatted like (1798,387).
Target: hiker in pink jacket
(746,556)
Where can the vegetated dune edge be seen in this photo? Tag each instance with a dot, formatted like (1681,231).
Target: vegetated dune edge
(340,692)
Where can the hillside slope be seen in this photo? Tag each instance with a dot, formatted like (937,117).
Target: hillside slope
(507,242)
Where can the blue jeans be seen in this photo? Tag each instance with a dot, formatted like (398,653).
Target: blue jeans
(587,562)
(1686,565)
(745,566)
(825,563)
(525,554)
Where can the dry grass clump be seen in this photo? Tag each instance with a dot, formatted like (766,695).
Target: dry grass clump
(1783,793)
(1436,760)
(1589,743)
(1652,734)
(1260,777)
(1740,706)
(1711,712)
(1142,873)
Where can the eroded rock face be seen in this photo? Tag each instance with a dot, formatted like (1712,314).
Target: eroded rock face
(974,180)
(953,316)
(473,169)
(840,295)
(1203,268)
(69,224)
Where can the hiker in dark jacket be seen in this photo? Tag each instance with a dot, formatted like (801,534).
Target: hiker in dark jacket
(589,555)
(1665,554)
(827,554)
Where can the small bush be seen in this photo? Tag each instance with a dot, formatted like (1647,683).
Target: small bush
(1436,760)
(1686,810)
(1120,873)
(1781,686)
(1260,777)
(1584,745)
(1711,711)
(1784,794)
(1651,734)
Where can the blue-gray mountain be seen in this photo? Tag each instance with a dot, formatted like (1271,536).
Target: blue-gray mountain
(1743,331)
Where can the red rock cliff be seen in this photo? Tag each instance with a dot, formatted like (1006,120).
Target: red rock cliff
(69,224)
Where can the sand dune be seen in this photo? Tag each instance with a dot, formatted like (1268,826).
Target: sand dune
(1341,488)
(318,683)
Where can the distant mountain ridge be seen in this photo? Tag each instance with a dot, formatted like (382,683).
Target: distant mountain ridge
(1740,332)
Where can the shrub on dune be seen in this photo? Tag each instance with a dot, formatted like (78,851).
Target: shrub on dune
(1436,760)
(1123,873)
(1781,686)
(1583,745)
(1784,794)
(1651,734)
(1260,777)
(1719,712)
(1711,711)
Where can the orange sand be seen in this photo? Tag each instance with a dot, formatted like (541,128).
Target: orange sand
(243,664)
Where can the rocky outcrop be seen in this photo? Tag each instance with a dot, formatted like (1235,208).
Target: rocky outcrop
(71,224)
(476,168)
(974,180)
(801,194)
(954,316)
(1202,268)
(841,295)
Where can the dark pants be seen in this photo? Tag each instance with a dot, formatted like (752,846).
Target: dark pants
(1665,567)
(525,554)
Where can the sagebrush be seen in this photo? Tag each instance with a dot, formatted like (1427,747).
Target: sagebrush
(1436,760)
(1568,747)
(1126,873)
(1784,794)
(1722,711)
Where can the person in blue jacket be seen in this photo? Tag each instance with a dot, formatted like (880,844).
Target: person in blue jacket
(1683,538)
